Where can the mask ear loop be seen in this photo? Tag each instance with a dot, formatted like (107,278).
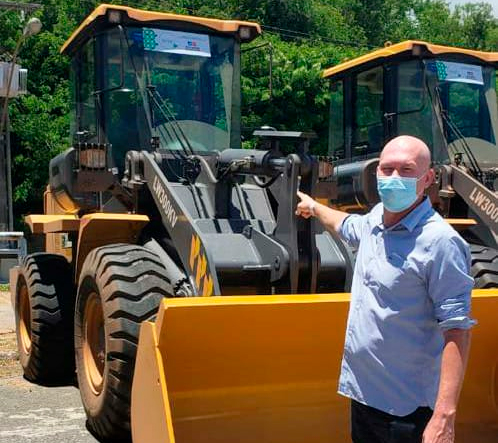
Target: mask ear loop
(422,176)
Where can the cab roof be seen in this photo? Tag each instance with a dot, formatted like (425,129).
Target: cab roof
(406,49)
(105,16)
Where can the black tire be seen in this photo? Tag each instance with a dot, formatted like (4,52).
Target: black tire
(44,311)
(120,286)
(484,266)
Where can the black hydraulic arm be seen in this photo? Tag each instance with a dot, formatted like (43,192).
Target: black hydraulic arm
(480,199)
(182,230)
(298,171)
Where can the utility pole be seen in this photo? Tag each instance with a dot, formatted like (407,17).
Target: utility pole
(6,211)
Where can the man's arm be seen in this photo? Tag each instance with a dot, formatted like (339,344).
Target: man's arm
(441,427)
(330,218)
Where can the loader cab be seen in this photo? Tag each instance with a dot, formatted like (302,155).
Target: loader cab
(144,80)
(445,96)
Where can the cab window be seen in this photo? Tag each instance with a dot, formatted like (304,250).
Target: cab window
(368,121)
(336,124)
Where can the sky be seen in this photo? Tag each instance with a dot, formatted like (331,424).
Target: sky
(493,3)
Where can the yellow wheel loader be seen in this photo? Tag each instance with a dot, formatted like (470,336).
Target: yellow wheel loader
(176,279)
(447,97)
(152,218)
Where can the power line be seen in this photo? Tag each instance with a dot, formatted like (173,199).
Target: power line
(307,36)
(17,6)
(287,33)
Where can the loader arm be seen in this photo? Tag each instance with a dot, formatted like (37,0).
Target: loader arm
(218,252)
(225,231)
(482,201)
(184,233)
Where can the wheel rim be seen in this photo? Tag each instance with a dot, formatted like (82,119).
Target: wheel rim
(94,343)
(25,319)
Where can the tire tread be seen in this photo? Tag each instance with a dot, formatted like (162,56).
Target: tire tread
(131,282)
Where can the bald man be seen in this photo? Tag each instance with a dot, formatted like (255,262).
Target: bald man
(407,337)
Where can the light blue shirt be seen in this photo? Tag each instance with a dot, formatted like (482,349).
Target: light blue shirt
(411,282)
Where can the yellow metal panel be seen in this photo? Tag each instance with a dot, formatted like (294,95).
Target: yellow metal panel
(477,418)
(151,16)
(101,229)
(393,50)
(252,369)
(56,232)
(265,369)
(43,224)
(107,216)
(465,222)
(52,206)
(151,423)
(13,276)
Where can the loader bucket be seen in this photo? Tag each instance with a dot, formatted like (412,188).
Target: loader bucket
(242,369)
(477,417)
(265,369)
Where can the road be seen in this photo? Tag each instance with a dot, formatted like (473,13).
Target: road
(31,413)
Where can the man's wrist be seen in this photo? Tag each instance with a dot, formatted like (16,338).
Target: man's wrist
(312,208)
(445,413)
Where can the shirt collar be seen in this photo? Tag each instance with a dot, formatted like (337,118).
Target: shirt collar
(413,218)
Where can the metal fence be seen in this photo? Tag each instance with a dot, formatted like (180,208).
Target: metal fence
(12,245)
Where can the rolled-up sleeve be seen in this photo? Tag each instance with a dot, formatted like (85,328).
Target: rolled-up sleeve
(351,229)
(450,284)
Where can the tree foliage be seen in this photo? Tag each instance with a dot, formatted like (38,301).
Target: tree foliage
(301,38)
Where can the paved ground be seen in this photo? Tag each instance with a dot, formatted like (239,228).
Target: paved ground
(31,413)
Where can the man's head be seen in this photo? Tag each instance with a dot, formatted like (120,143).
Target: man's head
(406,156)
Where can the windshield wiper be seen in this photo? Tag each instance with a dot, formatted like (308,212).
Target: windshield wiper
(474,165)
(437,102)
(174,130)
(176,133)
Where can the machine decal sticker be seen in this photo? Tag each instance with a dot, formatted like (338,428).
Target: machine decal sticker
(459,72)
(186,43)
(165,202)
(484,204)
(198,265)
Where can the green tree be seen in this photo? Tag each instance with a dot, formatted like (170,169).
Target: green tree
(383,20)
(306,36)
(435,23)
(476,21)
(299,98)
(40,120)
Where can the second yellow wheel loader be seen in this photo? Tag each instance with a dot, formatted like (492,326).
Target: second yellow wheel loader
(447,97)
(176,279)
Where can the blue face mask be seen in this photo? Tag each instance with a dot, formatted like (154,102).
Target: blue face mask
(397,193)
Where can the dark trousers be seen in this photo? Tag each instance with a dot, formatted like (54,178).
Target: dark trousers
(369,425)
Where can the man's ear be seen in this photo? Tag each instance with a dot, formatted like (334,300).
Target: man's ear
(429,178)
